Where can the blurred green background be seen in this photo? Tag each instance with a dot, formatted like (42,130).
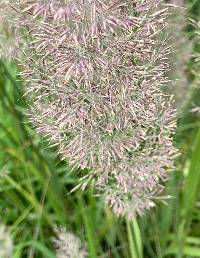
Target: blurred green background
(35,184)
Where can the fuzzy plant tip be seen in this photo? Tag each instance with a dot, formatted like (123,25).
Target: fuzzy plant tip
(68,245)
(95,73)
(6,244)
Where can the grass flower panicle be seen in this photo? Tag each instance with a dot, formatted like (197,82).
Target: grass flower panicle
(95,71)
(182,53)
(6,245)
(68,245)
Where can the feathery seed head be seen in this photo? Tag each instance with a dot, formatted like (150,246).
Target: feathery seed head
(95,71)
(6,245)
(182,53)
(68,245)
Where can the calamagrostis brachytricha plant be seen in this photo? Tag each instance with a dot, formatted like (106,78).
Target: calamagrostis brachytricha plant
(8,34)
(68,245)
(181,55)
(95,70)
(6,245)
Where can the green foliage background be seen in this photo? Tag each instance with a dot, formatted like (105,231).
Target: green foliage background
(35,187)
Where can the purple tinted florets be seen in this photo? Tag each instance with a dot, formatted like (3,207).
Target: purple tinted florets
(95,70)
